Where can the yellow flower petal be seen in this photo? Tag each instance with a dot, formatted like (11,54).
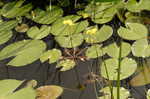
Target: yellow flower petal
(68,22)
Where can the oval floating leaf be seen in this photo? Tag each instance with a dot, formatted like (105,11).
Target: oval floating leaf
(148,94)
(133,31)
(49,92)
(101,12)
(140,48)
(25,52)
(128,67)
(113,50)
(6,30)
(70,41)
(124,93)
(66,64)
(67,26)
(36,33)
(46,17)
(53,56)
(9,86)
(93,35)
(15,9)
(94,51)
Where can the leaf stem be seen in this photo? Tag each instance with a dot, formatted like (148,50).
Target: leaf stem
(118,75)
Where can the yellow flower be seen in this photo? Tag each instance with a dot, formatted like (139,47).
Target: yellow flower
(68,22)
(91,31)
(85,15)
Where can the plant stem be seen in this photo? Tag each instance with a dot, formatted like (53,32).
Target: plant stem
(119,68)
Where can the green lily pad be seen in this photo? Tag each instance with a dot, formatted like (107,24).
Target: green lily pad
(5,30)
(70,41)
(46,17)
(66,64)
(24,52)
(53,56)
(101,12)
(124,93)
(93,35)
(8,87)
(68,25)
(141,48)
(113,50)
(133,31)
(15,9)
(134,6)
(142,78)
(94,51)
(128,67)
(36,33)
(148,94)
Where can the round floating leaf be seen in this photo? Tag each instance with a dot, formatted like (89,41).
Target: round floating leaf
(142,78)
(9,86)
(36,33)
(5,30)
(7,25)
(15,9)
(49,92)
(22,28)
(113,50)
(53,56)
(46,17)
(124,93)
(148,94)
(102,12)
(128,67)
(66,64)
(93,35)
(140,48)
(94,51)
(133,31)
(70,41)
(134,6)
(67,26)
(5,36)
(24,52)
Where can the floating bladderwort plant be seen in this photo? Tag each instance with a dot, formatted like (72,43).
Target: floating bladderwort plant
(89,28)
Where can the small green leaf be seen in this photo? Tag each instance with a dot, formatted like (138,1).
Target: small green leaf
(128,67)
(9,86)
(124,93)
(66,64)
(24,52)
(36,33)
(68,26)
(140,48)
(148,94)
(134,6)
(101,12)
(113,50)
(53,56)
(70,41)
(133,31)
(46,17)
(93,35)
(15,9)
(6,30)
(94,51)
